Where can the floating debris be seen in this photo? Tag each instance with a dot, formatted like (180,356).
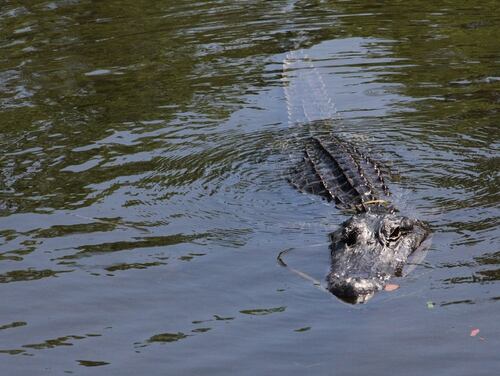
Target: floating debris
(391,287)
(474,332)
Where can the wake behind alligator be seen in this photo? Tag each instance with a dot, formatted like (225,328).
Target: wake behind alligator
(375,243)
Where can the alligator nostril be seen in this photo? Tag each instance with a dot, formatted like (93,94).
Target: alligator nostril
(351,237)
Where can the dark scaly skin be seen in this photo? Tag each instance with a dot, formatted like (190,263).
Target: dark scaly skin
(373,245)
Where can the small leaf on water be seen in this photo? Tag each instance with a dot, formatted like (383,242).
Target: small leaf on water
(474,332)
(430,304)
(391,287)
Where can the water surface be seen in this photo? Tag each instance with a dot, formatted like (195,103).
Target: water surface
(143,199)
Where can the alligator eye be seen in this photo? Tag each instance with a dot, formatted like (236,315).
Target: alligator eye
(395,233)
(351,237)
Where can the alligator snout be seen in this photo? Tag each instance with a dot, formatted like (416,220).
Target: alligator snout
(354,289)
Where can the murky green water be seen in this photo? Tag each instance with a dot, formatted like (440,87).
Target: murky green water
(143,201)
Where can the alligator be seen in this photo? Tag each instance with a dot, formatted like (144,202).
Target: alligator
(376,242)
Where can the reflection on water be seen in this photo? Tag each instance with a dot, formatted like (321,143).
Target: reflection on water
(138,136)
(167,337)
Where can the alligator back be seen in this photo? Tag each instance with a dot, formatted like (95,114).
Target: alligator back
(339,172)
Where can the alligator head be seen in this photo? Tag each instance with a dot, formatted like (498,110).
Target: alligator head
(368,249)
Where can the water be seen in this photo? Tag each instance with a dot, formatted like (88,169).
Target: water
(143,202)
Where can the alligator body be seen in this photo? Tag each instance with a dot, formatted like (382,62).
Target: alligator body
(373,245)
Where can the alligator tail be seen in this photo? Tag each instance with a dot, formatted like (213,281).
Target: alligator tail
(306,95)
